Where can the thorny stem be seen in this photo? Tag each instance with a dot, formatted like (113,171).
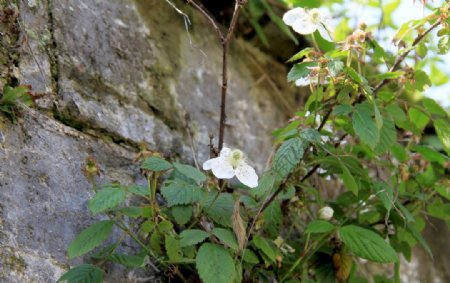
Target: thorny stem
(224,40)
(377,88)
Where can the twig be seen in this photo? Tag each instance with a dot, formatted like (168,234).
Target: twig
(224,40)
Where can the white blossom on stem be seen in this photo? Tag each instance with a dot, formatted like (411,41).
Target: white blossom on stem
(326,213)
(230,163)
(306,21)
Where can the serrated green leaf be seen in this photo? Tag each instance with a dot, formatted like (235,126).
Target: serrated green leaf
(84,273)
(388,137)
(138,190)
(399,152)
(90,238)
(419,238)
(215,264)
(396,113)
(250,257)
(288,156)
(265,185)
(430,154)
(385,193)
(273,219)
(418,118)
(106,199)
(442,128)
(265,246)
(192,237)
(220,209)
(128,260)
(227,237)
(421,80)
(173,248)
(444,45)
(300,70)
(135,211)
(365,126)
(367,244)
(319,226)
(342,109)
(190,172)
(388,75)
(300,54)
(349,180)
(310,135)
(182,213)
(156,164)
(178,192)
(433,107)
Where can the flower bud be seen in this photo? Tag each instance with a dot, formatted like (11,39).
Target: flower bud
(325,213)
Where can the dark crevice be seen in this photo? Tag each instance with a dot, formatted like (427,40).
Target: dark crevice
(52,50)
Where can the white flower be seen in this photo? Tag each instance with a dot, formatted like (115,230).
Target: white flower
(230,163)
(308,21)
(326,213)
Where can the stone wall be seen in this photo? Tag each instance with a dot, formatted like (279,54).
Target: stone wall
(115,74)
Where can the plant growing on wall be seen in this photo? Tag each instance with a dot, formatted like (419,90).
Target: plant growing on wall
(358,129)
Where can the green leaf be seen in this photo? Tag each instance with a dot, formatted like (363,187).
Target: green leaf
(265,185)
(387,75)
(342,109)
(434,108)
(430,154)
(399,152)
(421,80)
(310,135)
(138,190)
(156,164)
(300,70)
(173,248)
(396,113)
(227,237)
(319,226)
(90,238)
(106,199)
(190,172)
(84,273)
(444,45)
(349,180)
(288,156)
(365,126)
(215,264)
(220,209)
(442,128)
(419,238)
(418,118)
(388,137)
(250,257)
(385,193)
(335,67)
(135,211)
(273,218)
(128,260)
(178,192)
(265,246)
(182,213)
(367,244)
(192,237)
(301,54)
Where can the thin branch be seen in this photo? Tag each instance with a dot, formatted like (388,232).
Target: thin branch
(208,17)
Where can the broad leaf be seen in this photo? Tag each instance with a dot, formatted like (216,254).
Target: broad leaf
(182,213)
(84,273)
(418,118)
(173,248)
(190,172)
(349,180)
(227,237)
(367,244)
(388,137)
(107,198)
(273,218)
(300,70)
(215,264)
(156,164)
(442,128)
(385,193)
(266,247)
(178,192)
(365,126)
(192,237)
(220,209)
(139,190)
(288,156)
(90,238)
(319,226)
(128,260)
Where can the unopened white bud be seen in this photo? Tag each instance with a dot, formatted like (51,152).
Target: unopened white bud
(326,213)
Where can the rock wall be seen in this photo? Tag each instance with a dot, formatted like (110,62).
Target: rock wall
(115,74)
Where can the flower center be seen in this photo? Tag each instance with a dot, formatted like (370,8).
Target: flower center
(315,16)
(235,158)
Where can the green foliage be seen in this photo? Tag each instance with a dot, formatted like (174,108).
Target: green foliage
(215,264)
(367,244)
(84,273)
(12,98)
(90,238)
(372,123)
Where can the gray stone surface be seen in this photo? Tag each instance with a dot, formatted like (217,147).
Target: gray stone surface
(115,74)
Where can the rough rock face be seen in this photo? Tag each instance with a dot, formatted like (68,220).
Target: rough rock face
(116,74)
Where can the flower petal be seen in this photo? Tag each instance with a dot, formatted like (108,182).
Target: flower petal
(303,81)
(247,175)
(225,152)
(305,26)
(220,167)
(324,33)
(208,164)
(291,16)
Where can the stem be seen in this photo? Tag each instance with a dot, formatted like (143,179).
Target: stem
(316,45)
